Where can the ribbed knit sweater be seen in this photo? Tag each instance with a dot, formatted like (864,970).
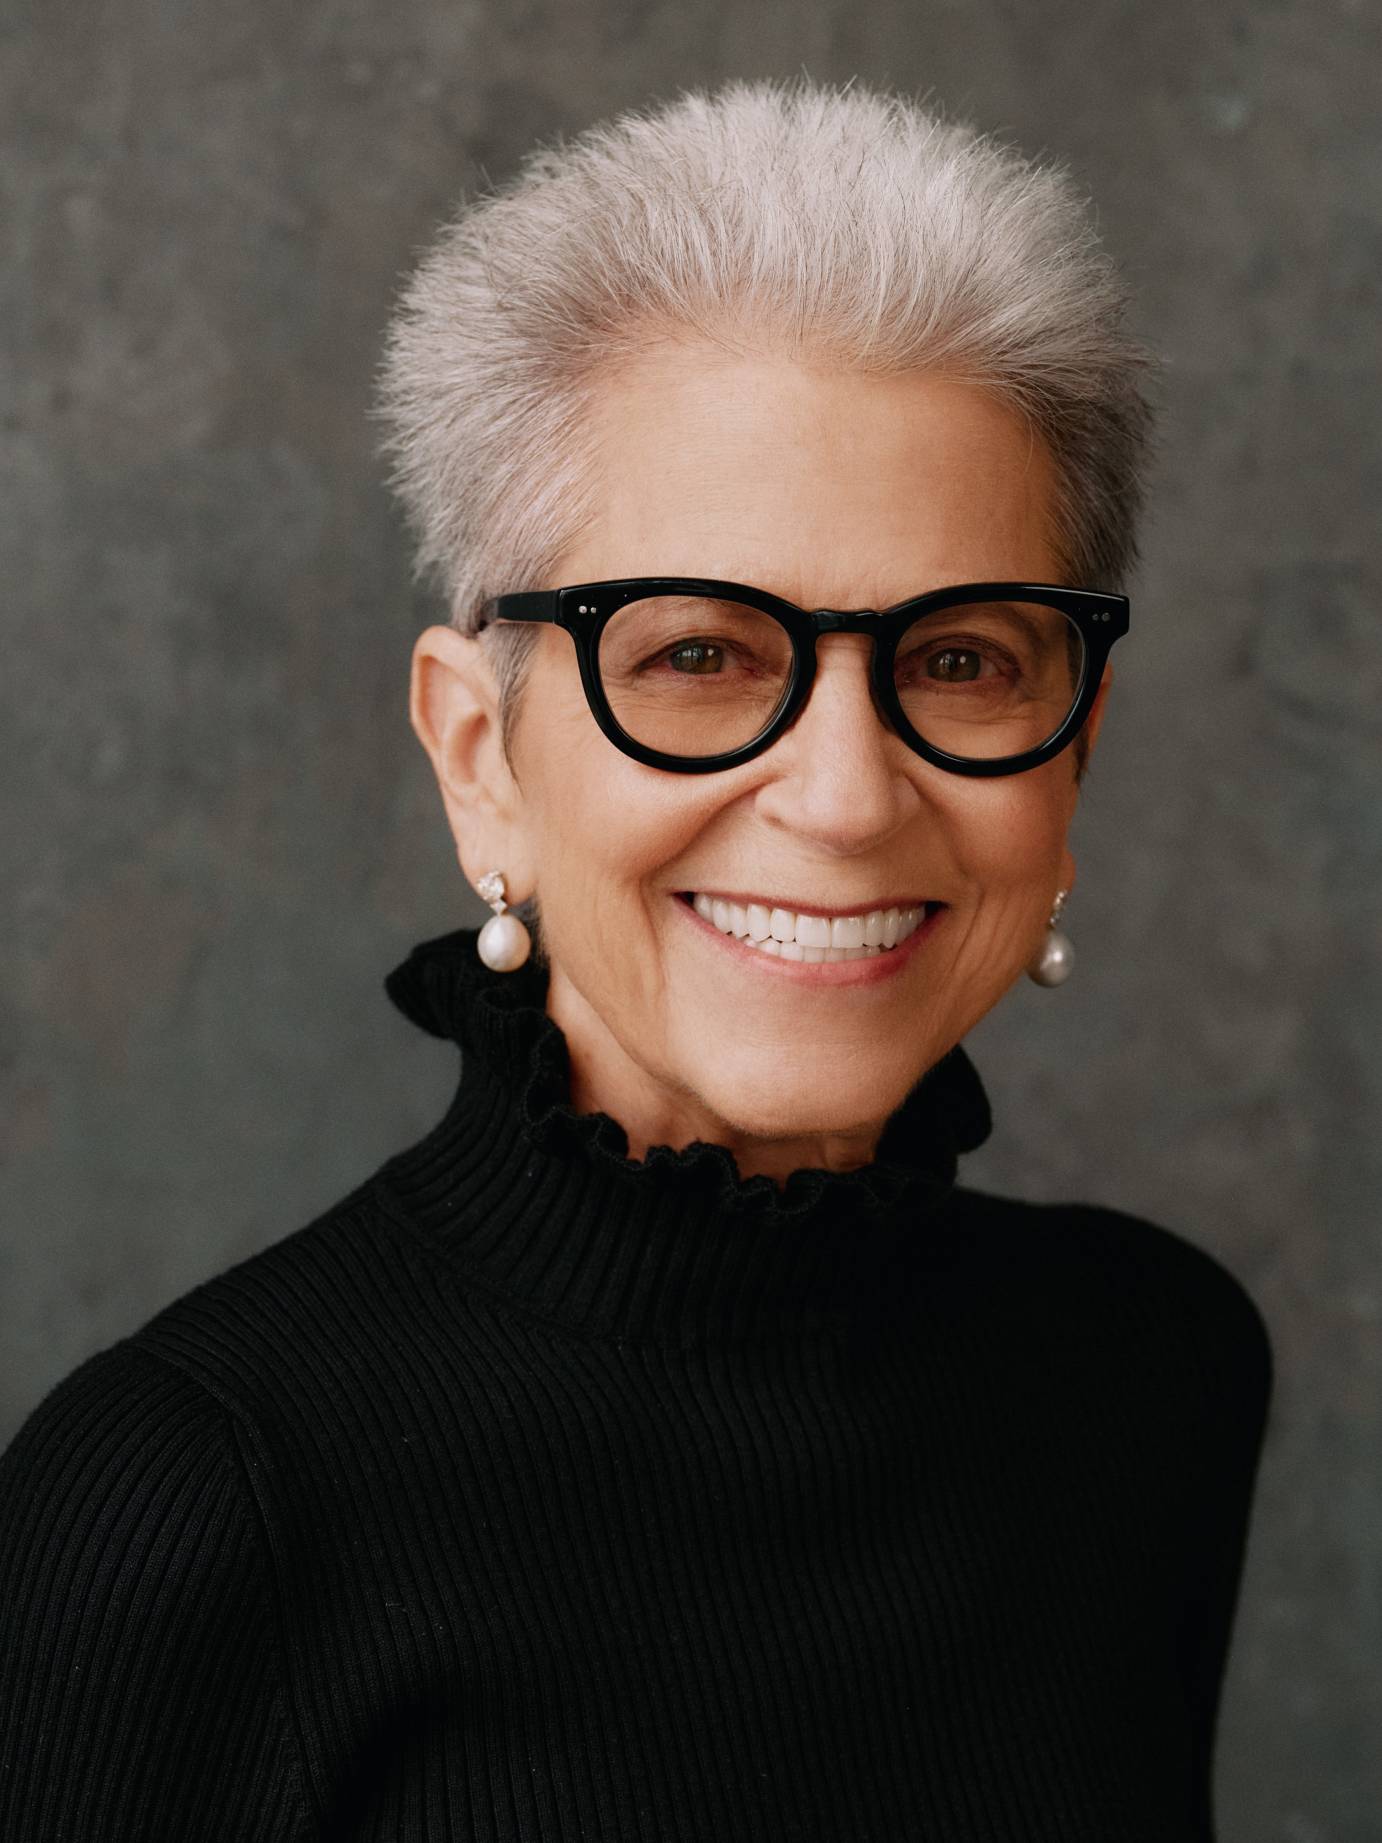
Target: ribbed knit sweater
(537,1493)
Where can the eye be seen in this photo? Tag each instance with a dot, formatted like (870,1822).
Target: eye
(696,656)
(954,665)
(957,660)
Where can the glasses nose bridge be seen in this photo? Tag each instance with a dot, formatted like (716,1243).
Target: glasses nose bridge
(844,620)
(848,621)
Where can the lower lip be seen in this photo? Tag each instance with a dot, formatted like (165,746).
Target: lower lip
(877,967)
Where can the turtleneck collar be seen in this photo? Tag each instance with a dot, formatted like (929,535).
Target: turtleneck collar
(543,1205)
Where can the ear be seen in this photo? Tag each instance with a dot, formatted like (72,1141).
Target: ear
(1091,730)
(453,705)
(1096,709)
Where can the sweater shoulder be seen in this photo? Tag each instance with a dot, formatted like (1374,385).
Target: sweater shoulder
(120,1419)
(125,1470)
(307,1314)
(115,1453)
(1142,1273)
(138,1621)
(300,1314)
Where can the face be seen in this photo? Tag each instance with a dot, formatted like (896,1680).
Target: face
(832,490)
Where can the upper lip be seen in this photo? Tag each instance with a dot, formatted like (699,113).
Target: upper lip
(814,908)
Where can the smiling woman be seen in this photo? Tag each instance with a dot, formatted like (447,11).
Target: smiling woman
(667,1445)
(825,487)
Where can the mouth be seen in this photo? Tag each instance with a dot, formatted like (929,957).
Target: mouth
(773,931)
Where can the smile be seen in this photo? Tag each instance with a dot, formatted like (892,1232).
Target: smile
(794,934)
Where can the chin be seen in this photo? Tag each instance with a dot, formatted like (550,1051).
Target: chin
(769,1103)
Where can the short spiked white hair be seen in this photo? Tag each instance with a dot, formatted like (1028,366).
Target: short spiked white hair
(841,224)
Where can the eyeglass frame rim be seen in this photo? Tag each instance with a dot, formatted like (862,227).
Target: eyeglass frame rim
(1101,617)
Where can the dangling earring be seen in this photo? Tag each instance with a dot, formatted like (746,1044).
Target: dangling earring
(504,941)
(1052,965)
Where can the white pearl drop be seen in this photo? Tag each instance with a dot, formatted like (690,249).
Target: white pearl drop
(1054,963)
(504,943)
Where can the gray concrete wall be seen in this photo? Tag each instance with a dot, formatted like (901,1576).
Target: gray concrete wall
(218,833)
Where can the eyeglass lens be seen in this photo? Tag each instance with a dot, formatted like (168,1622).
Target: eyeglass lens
(696,677)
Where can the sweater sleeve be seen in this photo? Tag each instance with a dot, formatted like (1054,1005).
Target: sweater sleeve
(1235,1358)
(141,1695)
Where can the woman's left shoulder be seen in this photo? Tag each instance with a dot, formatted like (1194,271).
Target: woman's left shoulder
(1142,1273)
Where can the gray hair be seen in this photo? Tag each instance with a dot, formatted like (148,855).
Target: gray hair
(840,224)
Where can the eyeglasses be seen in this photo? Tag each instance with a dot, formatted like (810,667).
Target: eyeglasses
(695,675)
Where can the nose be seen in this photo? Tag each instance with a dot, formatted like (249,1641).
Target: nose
(839,774)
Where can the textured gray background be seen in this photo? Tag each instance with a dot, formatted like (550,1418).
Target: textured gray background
(218,833)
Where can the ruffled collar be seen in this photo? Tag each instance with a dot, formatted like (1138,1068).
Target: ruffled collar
(544,1206)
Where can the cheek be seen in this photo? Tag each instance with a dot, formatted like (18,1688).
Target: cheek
(1008,830)
(1007,836)
(606,834)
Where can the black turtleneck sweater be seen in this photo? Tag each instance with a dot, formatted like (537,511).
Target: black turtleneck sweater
(532,1493)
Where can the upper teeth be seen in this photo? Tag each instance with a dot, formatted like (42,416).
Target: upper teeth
(762,926)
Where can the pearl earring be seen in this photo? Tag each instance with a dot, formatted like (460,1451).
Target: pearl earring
(504,941)
(1052,965)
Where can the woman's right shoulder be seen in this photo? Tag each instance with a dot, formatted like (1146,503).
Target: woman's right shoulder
(233,1371)
(142,1683)
(143,1693)
(111,1446)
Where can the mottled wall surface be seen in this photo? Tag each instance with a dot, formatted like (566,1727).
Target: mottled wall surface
(218,832)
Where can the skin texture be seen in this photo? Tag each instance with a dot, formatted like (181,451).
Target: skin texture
(834,490)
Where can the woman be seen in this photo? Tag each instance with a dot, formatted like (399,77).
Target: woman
(666,1446)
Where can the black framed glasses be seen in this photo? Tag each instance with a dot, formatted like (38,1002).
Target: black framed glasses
(694,675)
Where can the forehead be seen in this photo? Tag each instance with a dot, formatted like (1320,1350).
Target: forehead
(823,485)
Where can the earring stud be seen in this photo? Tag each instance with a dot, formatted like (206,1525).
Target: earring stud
(1054,963)
(503,943)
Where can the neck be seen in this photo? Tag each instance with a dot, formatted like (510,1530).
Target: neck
(539,1202)
(605,1078)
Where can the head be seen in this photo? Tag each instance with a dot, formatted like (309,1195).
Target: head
(824,344)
